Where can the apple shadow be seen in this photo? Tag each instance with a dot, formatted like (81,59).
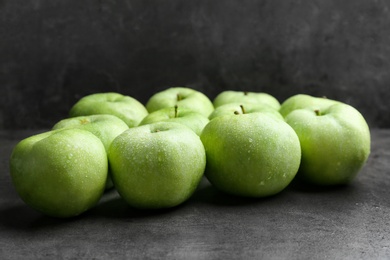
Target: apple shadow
(23,218)
(113,206)
(208,194)
(302,186)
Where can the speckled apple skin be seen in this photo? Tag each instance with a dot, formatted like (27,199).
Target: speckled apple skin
(61,173)
(158,165)
(251,155)
(335,143)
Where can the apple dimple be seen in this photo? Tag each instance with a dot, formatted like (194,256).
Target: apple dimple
(179,97)
(114,99)
(84,121)
(156,129)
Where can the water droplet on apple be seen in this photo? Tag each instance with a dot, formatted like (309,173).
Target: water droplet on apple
(69,157)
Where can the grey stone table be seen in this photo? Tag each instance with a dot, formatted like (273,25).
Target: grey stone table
(349,222)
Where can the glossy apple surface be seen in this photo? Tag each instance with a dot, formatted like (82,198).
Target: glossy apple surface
(183,98)
(130,110)
(230,96)
(335,143)
(251,155)
(157,165)
(61,173)
(105,127)
(195,121)
(300,101)
(248,108)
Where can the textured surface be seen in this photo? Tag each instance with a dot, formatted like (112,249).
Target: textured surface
(54,52)
(350,222)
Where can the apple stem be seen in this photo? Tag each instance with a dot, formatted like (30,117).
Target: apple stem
(178,97)
(243,109)
(317,111)
(245,93)
(176,112)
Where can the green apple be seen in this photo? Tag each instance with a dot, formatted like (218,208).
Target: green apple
(250,155)
(243,97)
(105,127)
(182,97)
(130,110)
(195,121)
(157,165)
(234,108)
(61,173)
(335,143)
(300,101)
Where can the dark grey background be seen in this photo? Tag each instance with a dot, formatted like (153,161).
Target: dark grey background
(54,52)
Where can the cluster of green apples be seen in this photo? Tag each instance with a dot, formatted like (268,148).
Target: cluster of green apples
(245,143)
